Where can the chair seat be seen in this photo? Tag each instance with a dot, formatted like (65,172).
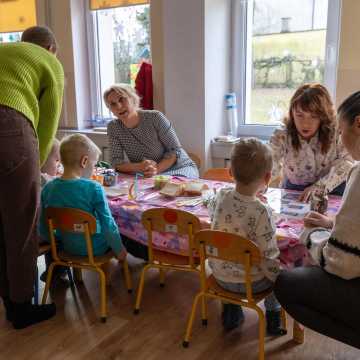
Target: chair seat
(173,259)
(43,248)
(215,288)
(84,260)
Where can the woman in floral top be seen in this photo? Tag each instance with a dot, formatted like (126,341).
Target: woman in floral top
(308,150)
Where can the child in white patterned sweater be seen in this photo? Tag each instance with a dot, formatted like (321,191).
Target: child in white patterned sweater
(240,211)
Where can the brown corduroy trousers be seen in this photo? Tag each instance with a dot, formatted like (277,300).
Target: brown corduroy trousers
(19,203)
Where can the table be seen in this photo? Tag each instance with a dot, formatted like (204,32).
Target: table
(127,214)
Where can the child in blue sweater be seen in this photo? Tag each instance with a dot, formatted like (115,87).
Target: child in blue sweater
(74,189)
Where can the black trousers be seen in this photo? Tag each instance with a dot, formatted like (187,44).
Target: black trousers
(135,248)
(322,302)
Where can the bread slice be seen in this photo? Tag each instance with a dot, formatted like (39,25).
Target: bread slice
(172,189)
(194,188)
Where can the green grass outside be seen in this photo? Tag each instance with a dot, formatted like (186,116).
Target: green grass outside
(303,45)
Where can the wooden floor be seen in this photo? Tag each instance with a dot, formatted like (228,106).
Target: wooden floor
(155,334)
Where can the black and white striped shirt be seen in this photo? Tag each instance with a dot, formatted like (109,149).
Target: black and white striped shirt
(154,139)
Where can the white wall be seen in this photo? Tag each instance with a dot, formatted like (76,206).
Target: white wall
(66,18)
(184,88)
(348,77)
(217,69)
(196,64)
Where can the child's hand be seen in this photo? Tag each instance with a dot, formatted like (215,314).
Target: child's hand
(315,219)
(122,255)
(306,194)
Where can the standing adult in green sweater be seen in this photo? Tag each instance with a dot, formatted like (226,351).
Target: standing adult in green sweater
(31,90)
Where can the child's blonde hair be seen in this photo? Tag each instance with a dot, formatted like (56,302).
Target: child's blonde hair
(124,90)
(74,147)
(250,160)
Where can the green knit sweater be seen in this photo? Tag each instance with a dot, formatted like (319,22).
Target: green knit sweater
(32,82)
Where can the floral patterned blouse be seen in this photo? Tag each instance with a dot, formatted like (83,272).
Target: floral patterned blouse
(309,165)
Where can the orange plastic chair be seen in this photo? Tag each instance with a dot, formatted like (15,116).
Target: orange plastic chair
(168,220)
(78,221)
(218,174)
(229,247)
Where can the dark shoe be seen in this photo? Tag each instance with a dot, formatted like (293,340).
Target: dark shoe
(26,314)
(232,316)
(273,324)
(59,276)
(8,308)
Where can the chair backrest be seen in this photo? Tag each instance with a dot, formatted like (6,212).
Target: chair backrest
(72,221)
(195,159)
(229,247)
(218,174)
(173,221)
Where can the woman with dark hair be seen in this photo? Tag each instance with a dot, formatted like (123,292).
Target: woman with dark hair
(326,297)
(308,150)
(31,83)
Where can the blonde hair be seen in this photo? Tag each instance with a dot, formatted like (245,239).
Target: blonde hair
(250,160)
(124,90)
(74,147)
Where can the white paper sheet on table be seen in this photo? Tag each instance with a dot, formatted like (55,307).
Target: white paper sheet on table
(285,204)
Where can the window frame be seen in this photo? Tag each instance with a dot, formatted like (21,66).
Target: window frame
(97,106)
(241,60)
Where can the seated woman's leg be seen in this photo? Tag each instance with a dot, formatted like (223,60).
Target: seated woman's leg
(322,302)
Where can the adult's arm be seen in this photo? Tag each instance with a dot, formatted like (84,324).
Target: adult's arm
(169,139)
(277,144)
(340,167)
(117,153)
(50,104)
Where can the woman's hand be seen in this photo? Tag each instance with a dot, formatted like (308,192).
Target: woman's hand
(315,219)
(306,194)
(149,168)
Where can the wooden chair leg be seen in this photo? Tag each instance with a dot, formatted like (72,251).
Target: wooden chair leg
(261,333)
(127,276)
(106,268)
(204,312)
(298,333)
(162,277)
(103,312)
(191,320)
(140,289)
(48,282)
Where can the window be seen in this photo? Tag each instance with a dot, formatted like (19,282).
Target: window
(10,37)
(279,48)
(121,41)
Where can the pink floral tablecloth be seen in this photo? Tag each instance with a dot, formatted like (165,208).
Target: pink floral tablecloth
(127,214)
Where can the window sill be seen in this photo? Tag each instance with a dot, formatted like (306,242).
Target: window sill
(83,131)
